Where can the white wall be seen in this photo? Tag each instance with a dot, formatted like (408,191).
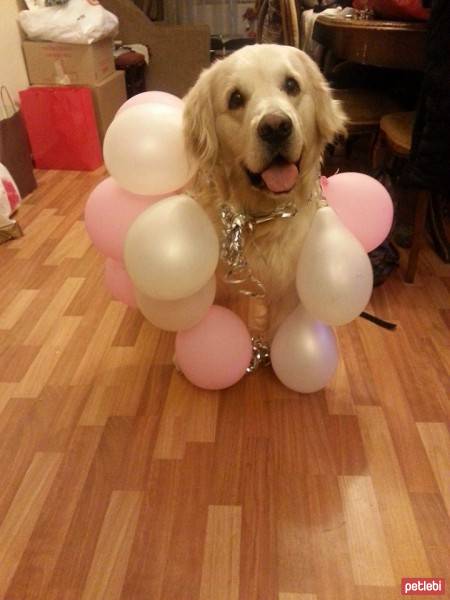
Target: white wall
(13,73)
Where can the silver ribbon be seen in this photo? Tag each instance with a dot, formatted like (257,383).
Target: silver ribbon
(236,227)
(260,355)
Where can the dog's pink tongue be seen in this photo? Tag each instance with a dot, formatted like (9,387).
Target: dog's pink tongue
(280,178)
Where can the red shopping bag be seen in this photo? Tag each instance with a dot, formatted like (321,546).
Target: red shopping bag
(61,126)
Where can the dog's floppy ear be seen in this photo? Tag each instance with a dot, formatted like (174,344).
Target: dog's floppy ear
(199,126)
(330,116)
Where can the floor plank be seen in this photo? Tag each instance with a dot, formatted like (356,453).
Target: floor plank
(109,564)
(220,572)
(23,513)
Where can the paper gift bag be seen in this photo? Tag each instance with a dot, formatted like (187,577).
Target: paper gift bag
(15,152)
(62,128)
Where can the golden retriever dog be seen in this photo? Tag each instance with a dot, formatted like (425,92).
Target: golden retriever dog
(258,123)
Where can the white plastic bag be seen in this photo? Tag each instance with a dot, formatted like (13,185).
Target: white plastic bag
(77,22)
(9,194)
(33,4)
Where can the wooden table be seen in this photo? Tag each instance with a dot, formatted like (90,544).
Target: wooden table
(394,44)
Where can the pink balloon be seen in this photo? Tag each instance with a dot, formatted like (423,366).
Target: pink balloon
(109,213)
(215,353)
(118,283)
(363,204)
(146,97)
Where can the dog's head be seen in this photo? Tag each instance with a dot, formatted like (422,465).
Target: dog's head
(264,115)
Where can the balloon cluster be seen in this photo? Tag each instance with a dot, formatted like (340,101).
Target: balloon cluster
(162,252)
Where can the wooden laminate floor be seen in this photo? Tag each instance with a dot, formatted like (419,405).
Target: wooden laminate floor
(118,479)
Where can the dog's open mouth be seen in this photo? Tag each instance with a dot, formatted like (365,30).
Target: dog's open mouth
(279,177)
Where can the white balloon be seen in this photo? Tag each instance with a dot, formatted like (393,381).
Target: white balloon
(304,352)
(171,249)
(144,149)
(334,274)
(177,315)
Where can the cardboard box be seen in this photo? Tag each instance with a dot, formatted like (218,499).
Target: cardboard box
(50,63)
(108,97)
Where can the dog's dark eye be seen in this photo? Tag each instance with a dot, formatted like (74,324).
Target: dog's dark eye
(291,87)
(236,100)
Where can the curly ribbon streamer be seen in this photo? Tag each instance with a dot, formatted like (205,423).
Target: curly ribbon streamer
(260,356)
(236,227)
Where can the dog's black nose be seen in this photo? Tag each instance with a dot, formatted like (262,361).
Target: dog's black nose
(275,128)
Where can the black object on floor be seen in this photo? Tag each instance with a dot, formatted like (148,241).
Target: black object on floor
(378,321)
(384,260)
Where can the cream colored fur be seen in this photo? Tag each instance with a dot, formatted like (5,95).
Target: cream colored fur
(224,141)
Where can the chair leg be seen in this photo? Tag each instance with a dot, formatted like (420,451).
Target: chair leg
(377,152)
(419,229)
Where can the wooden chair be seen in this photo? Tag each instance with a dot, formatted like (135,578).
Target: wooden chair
(364,109)
(278,22)
(396,136)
